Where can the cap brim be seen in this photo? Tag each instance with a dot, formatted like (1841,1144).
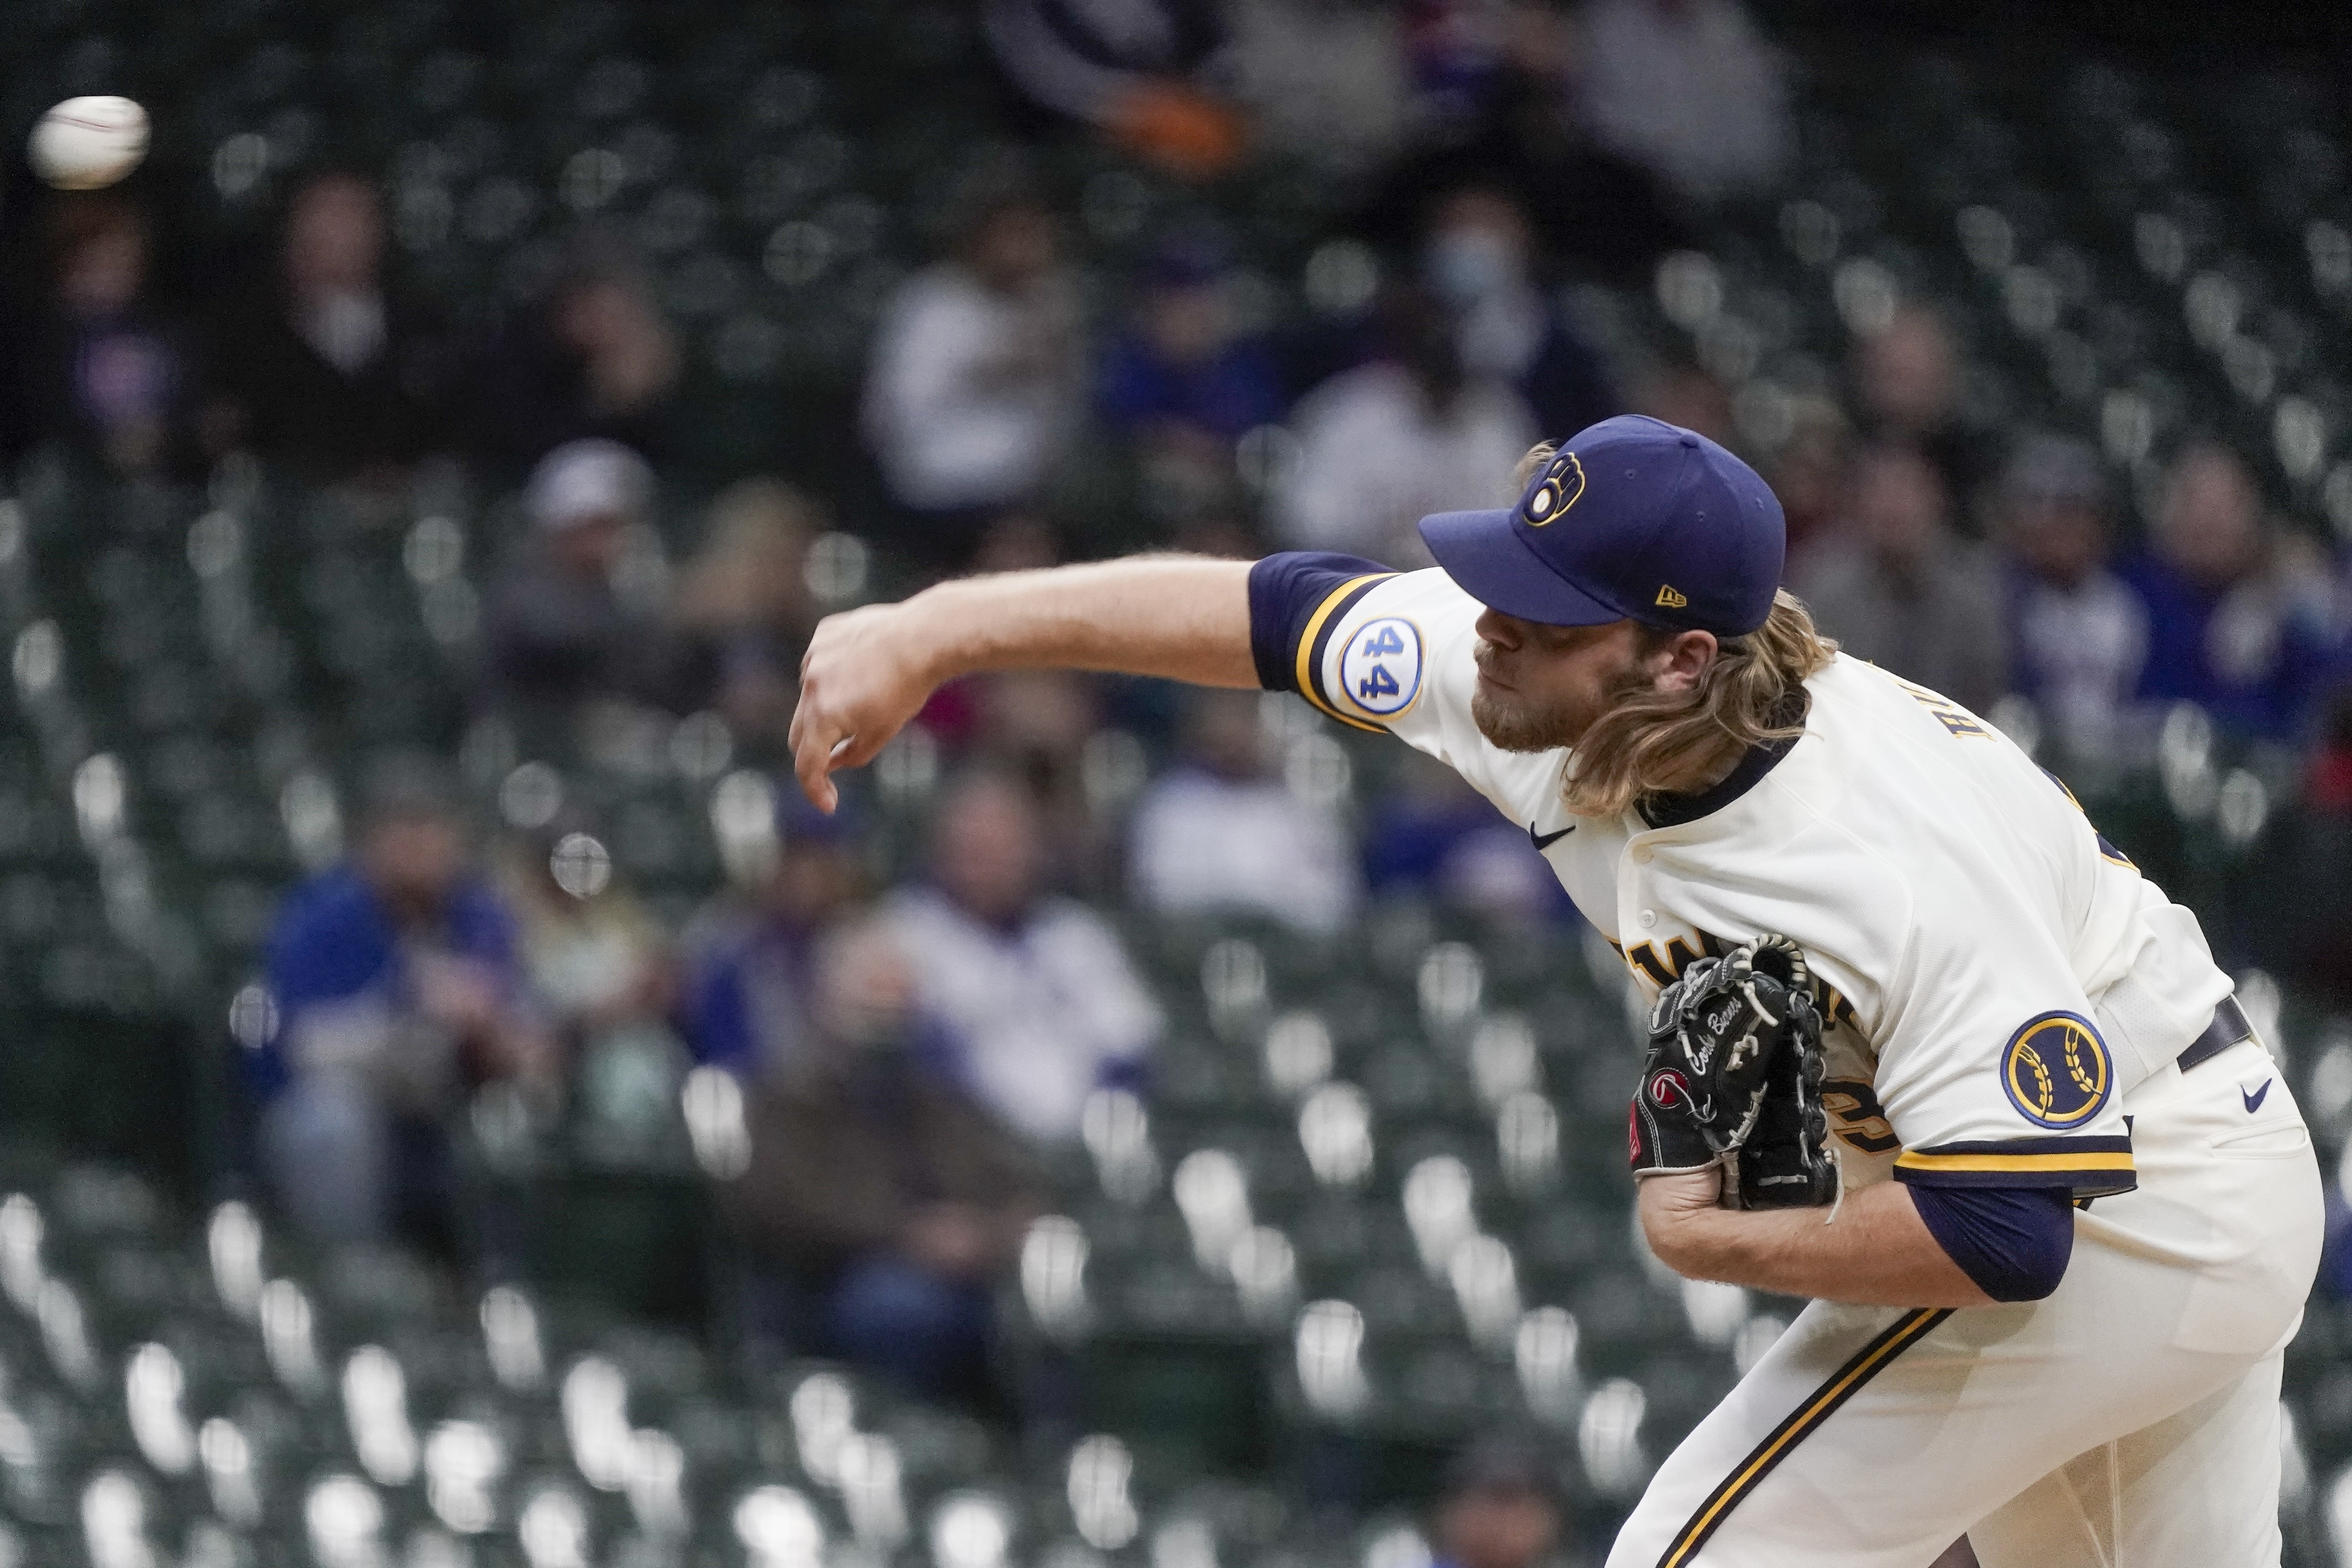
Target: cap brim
(1485,556)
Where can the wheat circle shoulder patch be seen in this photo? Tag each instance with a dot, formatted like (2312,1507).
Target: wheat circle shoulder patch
(1380,669)
(2057,1071)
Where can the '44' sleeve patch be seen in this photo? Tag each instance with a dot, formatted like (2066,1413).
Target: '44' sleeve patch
(1379,669)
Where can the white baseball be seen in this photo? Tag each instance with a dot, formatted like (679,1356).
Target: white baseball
(86,143)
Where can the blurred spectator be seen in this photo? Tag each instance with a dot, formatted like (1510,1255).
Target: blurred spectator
(1183,384)
(597,360)
(1688,89)
(1034,994)
(398,987)
(1436,838)
(1499,1507)
(1907,389)
(1481,68)
(328,370)
(1325,83)
(1222,831)
(1033,726)
(744,1003)
(1493,84)
(92,361)
(1896,587)
(1031,723)
(2078,634)
(1809,472)
(976,378)
(561,629)
(1136,68)
(1386,444)
(1680,392)
(889,1205)
(2237,612)
(599,965)
(742,611)
(1017,540)
(1479,257)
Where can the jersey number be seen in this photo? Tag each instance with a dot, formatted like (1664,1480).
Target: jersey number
(1379,683)
(1861,1122)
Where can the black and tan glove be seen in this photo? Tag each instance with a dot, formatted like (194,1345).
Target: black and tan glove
(1733,1080)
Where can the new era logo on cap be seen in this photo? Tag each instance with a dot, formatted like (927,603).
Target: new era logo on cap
(1670,529)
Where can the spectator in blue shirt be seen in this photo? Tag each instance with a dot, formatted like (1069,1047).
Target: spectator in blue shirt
(744,1003)
(1432,837)
(2237,616)
(2078,633)
(397,990)
(1182,381)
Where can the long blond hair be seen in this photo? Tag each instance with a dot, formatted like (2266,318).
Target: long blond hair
(1650,741)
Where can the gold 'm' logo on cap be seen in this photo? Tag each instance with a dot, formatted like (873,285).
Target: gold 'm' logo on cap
(1669,599)
(1562,487)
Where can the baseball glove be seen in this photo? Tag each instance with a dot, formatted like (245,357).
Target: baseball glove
(1733,1080)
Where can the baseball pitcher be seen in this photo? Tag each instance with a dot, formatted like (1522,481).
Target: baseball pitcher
(1924,1047)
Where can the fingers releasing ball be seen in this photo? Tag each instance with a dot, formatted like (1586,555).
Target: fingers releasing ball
(87,144)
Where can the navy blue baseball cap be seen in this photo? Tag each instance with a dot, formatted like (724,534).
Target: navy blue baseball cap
(1634,519)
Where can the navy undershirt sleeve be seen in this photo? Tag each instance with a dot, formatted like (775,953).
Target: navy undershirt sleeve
(1284,591)
(2013,1241)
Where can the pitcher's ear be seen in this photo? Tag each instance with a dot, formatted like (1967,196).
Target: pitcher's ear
(1681,660)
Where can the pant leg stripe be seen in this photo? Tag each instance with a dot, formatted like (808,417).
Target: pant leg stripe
(1867,1363)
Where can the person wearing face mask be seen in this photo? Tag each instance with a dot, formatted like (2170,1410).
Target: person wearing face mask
(331,371)
(1380,444)
(1479,255)
(881,1206)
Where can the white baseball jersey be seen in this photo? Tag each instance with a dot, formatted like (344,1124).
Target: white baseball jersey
(1960,907)
(2007,995)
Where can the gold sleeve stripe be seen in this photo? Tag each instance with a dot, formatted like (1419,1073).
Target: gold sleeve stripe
(1310,679)
(2057,1160)
(1867,1363)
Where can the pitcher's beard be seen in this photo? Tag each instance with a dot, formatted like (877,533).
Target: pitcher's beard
(1510,727)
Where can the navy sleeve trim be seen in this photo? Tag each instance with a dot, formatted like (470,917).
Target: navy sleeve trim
(2014,1242)
(2089,1167)
(1292,600)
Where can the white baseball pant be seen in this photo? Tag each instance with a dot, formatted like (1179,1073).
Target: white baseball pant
(2129,1420)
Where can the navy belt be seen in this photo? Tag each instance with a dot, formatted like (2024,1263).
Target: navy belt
(2228,1028)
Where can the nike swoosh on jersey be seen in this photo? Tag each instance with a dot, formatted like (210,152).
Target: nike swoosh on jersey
(1546,840)
(2254,1101)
